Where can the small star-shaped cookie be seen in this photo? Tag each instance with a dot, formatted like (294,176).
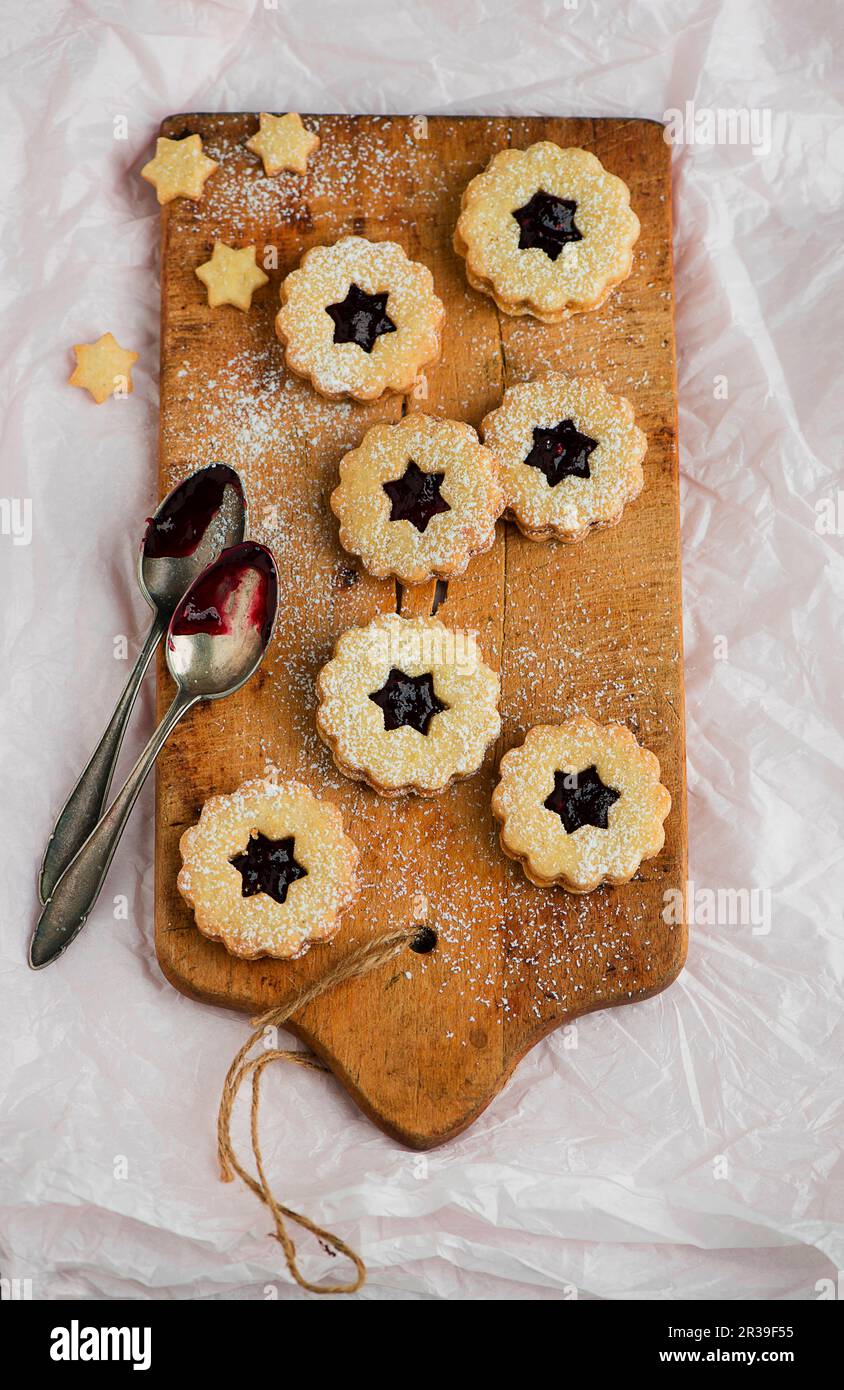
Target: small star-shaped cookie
(103,368)
(283,143)
(231,277)
(179,169)
(268,866)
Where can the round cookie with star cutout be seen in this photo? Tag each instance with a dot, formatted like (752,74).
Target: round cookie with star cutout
(580,804)
(569,454)
(359,318)
(417,499)
(546,231)
(407,705)
(268,869)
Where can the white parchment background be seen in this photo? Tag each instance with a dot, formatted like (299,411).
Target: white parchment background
(690,1146)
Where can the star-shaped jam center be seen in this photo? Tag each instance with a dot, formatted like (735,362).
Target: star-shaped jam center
(547,222)
(561,452)
(361,318)
(103,368)
(581,798)
(408,701)
(268,866)
(415,496)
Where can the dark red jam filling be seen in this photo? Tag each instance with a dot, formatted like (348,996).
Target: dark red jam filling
(268,866)
(561,452)
(361,318)
(207,606)
(408,701)
(581,798)
(179,525)
(415,496)
(547,222)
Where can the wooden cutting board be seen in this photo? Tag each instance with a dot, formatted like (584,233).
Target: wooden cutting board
(425,1044)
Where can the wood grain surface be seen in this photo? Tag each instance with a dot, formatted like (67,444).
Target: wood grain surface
(595,628)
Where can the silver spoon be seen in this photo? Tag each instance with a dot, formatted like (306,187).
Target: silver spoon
(216,640)
(198,519)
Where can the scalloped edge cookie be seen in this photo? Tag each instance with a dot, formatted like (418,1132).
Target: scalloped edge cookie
(395,762)
(324,277)
(527,281)
(470,485)
(575,506)
(535,836)
(257,926)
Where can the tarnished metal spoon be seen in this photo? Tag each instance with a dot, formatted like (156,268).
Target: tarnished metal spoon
(198,519)
(216,640)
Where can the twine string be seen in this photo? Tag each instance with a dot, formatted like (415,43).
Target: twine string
(361,961)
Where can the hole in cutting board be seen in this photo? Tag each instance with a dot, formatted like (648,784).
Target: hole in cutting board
(424,941)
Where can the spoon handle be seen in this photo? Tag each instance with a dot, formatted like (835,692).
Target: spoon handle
(84,806)
(66,911)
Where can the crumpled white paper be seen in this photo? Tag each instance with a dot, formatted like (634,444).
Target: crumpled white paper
(687,1147)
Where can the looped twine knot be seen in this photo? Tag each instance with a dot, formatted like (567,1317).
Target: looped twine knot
(369,956)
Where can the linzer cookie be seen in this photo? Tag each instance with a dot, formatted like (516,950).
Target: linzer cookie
(417,499)
(268,869)
(569,454)
(580,804)
(359,318)
(407,705)
(546,231)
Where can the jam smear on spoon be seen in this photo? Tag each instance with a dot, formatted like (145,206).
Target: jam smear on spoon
(210,605)
(180,524)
